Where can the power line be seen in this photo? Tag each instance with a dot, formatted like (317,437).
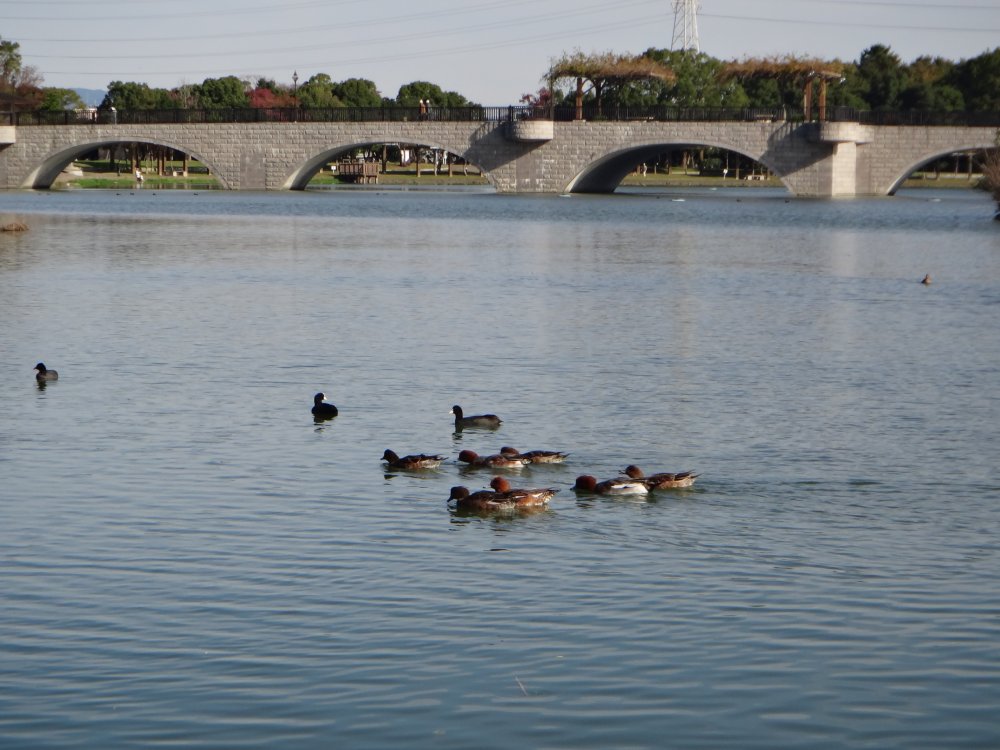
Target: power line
(436,52)
(855,25)
(521,20)
(885,4)
(273,8)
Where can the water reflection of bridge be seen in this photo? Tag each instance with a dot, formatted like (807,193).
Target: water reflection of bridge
(519,149)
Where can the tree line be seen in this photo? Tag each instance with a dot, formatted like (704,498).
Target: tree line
(21,89)
(877,80)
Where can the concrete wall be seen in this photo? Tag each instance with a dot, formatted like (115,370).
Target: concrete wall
(812,159)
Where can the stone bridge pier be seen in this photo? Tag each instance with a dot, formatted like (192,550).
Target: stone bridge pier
(826,159)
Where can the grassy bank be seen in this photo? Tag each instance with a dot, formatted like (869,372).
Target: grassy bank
(96,175)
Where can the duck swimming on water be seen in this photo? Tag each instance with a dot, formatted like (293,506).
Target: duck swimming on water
(484,500)
(535,457)
(488,421)
(411,462)
(663,480)
(495,461)
(618,486)
(44,373)
(480,500)
(322,409)
(519,497)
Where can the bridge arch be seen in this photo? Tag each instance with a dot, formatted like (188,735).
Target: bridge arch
(43,175)
(913,166)
(605,173)
(300,175)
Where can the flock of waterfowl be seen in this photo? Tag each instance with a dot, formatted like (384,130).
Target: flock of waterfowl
(501,496)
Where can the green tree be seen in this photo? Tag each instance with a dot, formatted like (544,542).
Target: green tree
(411,93)
(317,93)
(700,82)
(882,78)
(358,92)
(20,85)
(219,93)
(978,79)
(764,92)
(127,95)
(55,99)
(10,62)
(849,91)
(932,97)
(929,87)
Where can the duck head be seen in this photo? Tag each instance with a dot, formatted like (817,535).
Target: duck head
(500,484)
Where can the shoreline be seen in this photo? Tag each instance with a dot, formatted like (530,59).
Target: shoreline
(87,179)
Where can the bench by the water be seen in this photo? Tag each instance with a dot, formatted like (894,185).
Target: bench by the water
(358,171)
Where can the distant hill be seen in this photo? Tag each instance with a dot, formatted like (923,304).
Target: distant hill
(91,97)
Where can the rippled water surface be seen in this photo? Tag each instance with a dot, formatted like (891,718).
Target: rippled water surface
(187,559)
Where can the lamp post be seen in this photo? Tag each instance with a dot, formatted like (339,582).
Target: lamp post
(295,93)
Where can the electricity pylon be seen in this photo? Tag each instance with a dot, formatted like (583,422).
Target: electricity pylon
(685,26)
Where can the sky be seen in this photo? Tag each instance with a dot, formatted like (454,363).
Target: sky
(490,51)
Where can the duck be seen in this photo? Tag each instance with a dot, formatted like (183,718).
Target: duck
(521,498)
(489,421)
(44,373)
(411,462)
(494,461)
(485,500)
(617,486)
(535,457)
(662,480)
(479,500)
(322,409)
(926,280)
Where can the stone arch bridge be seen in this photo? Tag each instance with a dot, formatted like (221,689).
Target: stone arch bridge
(815,159)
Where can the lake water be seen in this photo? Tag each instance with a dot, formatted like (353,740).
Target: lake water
(187,559)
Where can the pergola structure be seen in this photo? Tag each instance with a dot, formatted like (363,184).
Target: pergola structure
(602,70)
(799,71)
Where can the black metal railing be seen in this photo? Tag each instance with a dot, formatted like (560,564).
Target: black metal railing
(914,117)
(259,114)
(589,113)
(620,113)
